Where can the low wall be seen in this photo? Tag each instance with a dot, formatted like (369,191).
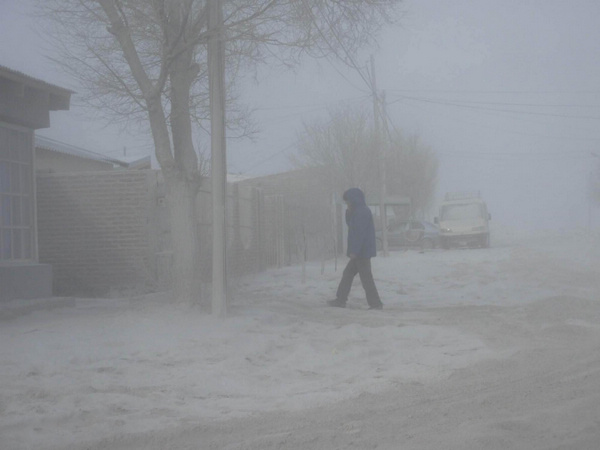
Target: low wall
(93,228)
(25,281)
(110,231)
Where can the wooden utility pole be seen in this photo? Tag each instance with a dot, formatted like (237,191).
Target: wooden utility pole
(380,158)
(216,83)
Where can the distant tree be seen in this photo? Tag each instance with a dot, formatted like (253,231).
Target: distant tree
(345,145)
(411,171)
(145,60)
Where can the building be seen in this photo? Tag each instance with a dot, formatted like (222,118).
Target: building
(25,105)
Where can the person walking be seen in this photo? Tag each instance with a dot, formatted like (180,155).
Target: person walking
(361,248)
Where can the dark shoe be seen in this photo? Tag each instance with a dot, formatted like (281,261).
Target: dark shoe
(376,307)
(337,303)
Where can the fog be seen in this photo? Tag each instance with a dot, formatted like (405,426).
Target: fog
(487,348)
(505,93)
(475,349)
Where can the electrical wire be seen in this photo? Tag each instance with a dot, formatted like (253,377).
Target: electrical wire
(269,158)
(478,125)
(512,111)
(500,156)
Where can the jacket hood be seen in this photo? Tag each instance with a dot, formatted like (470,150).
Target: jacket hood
(355,197)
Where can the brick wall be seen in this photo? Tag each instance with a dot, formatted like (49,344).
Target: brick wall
(110,230)
(94,230)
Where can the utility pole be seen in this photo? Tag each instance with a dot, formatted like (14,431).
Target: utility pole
(592,187)
(216,83)
(380,158)
(589,211)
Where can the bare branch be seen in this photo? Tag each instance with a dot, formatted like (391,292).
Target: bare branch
(119,29)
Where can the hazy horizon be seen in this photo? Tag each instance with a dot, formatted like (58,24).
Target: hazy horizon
(505,94)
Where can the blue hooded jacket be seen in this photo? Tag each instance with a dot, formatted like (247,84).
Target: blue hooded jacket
(361,229)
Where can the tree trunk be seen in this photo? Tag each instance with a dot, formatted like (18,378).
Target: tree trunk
(183,180)
(181,197)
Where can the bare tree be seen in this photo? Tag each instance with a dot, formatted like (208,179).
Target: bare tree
(145,60)
(411,171)
(345,145)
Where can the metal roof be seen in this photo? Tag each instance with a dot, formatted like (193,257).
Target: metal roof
(15,75)
(62,147)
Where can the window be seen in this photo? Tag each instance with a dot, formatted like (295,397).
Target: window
(462,211)
(16,194)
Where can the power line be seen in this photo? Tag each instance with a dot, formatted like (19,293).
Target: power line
(512,111)
(495,92)
(543,105)
(545,136)
(269,158)
(501,155)
(520,155)
(312,105)
(316,108)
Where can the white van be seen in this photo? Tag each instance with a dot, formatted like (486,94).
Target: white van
(464,221)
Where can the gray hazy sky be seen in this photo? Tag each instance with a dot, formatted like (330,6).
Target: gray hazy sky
(506,93)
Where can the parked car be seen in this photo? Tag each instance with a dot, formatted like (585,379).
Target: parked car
(413,233)
(464,221)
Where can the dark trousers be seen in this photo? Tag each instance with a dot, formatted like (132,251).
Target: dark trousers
(362,266)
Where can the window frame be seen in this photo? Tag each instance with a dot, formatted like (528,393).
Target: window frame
(18,222)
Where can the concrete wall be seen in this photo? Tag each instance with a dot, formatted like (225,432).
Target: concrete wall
(25,281)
